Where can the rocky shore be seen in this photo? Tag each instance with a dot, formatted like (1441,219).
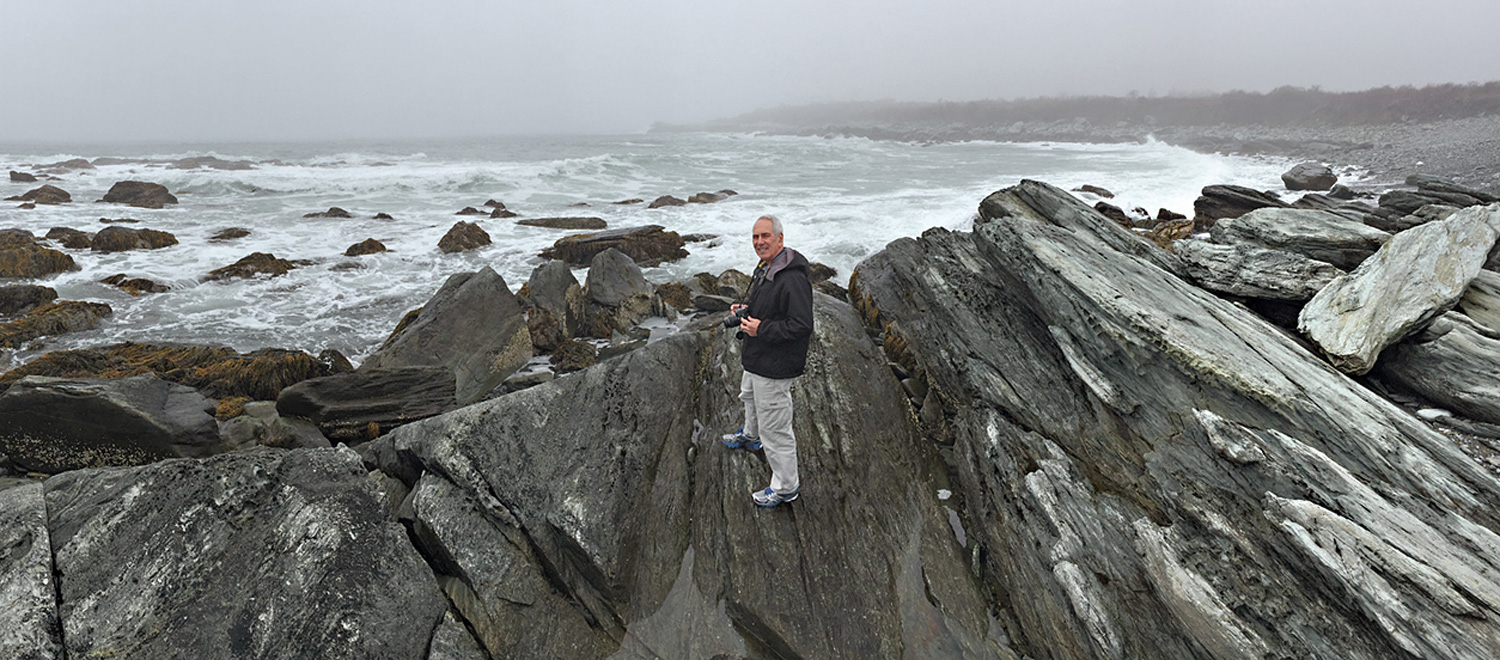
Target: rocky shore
(1266,430)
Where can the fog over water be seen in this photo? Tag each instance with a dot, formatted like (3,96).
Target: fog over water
(180,70)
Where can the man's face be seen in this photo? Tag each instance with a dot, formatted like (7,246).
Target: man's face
(767,244)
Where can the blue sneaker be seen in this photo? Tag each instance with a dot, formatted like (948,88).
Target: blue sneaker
(770,497)
(739,439)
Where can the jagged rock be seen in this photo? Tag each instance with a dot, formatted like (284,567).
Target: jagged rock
(698,238)
(1309,176)
(1341,191)
(565,223)
(332,212)
(473,326)
(490,203)
(666,200)
(230,234)
(139,193)
(818,272)
(1316,234)
(47,194)
(1168,215)
(72,239)
(1454,363)
(367,246)
(1481,301)
(361,405)
(53,318)
(1407,202)
(21,298)
(57,424)
(1149,471)
(546,328)
(215,370)
(463,236)
(1252,271)
(382,216)
(731,284)
(29,625)
(453,641)
(1418,274)
(134,286)
(1069,213)
(1094,190)
(676,294)
(648,246)
(257,263)
(1114,213)
(118,239)
(469,210)
(265,553)
(548,287)
(22,256)
(651,534)
(22,177)
(503,213)
(617,295)
(1226,201)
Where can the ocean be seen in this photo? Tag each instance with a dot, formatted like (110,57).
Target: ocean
(841,199)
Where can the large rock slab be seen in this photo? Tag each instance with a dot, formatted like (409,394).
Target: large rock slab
(1228,201)
(262,553)
(473,325)
(615,296)
(1320,235)
(1481,301)
(1149,471)
(1454,363)
(55,424)
(359,406)
(29,625)
(22,298)
(118,239)
(1251,271)
(648,246)
(46,194)
(141,194)
(642,519)
(1420,273)
(53,318)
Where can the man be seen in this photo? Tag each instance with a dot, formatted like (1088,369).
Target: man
(774,336)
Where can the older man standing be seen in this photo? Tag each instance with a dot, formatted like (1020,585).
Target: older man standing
(774,337)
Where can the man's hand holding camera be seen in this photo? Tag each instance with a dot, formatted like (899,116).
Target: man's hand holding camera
(747,323)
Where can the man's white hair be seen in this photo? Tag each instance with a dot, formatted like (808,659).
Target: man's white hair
(775,223)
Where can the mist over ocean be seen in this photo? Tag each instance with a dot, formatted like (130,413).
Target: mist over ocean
(841,199)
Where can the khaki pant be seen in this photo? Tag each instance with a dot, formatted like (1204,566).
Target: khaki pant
(768,415)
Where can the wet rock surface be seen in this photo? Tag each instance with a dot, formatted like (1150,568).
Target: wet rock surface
(1316,234)
(565,223)
(53,318)
(1252,271)
(29,625)
(118,239)
(142,194)
(46,194)
(362,405)
(254,264)
(648,246)
(1309,176)
(463,236)
(1149,471)
(264,553)
(21,256)
(21,298)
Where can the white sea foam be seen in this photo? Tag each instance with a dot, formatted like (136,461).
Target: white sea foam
(842,199)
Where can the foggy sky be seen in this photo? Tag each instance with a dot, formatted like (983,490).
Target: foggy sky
(268,69)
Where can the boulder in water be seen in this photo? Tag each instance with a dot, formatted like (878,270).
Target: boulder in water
(53,318)
(469,210)
(72,239)
(564,223)
(463,236)
(332,212)
(21,298)
(118,239)
(666,200)
(47,194)
(256,263)
(22,177)
(134,286)
(139,193)
(1227,201)
(230,234)
(22,257)
(1095,190)
(647,246)
(1309,176)
(367,246)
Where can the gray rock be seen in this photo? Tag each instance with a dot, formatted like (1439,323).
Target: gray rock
(29,625)
(463,236)
(1454,363)
(139,193)
(452,641)
(613,278)
(1036,202)
(615,477)
(358,406)
(1481,301)
(1227,201)
(473,325)
(1407,201)
(115,238)
(648,246)
(1252,271)
(549,285)
(262,553)
(1149,471)
(1420,273)
(1437,184)
(1309,176)
(22,177)
(260,425)
(565,223)
(55,424)
(1316,234)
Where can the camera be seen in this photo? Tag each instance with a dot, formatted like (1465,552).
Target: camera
(739,315)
